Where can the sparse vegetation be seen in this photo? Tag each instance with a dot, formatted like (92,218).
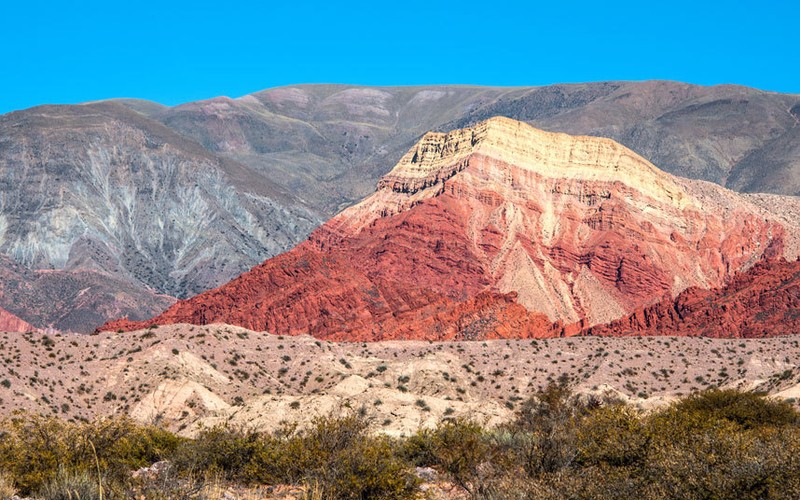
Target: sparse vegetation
(562,446)
(556,444)
(714,444)
(41,453)
(336,455)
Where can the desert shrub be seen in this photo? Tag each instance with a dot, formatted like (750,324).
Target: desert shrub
(457,447)
(32,449)
(544,437)
(35,450)
(121,445)
(7,489)
(613,435)
(164,482)
(727,462)
(70,484)
(341,458)
(561,446)
(715,444)
(718,444)
(552,406)
(337,456)
(590,482)
(222,450)
(745,409)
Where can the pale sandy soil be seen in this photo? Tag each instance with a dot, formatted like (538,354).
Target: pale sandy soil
(185,376)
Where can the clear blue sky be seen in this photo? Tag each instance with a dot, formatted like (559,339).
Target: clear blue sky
(173,52)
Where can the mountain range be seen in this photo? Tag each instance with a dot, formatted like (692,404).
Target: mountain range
(117,208)
(502,230)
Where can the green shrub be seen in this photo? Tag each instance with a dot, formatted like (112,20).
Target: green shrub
(745,409)
(344,460)
(220,450)
(727,462)
(36,449)
(338,456)
(457,447)
(613,435)
(544,430)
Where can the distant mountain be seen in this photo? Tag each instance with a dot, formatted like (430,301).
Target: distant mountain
(330,144)
(103,212)
(499,230)
(73,299)
(171,201)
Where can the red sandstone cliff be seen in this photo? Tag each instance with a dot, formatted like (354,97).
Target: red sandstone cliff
(763,301)
(11,323)
(498,230)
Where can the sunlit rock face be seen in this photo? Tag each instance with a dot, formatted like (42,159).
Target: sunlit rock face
(500,230)
(763,301)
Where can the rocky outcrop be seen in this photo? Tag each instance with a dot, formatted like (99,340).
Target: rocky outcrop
(499,230)
(11,323)
(763,301)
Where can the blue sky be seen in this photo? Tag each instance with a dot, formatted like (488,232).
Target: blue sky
(173,52)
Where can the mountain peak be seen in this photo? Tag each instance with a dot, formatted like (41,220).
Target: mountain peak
(497,144)
(551,154)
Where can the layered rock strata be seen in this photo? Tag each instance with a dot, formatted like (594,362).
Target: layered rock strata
(763,301)
(499,230)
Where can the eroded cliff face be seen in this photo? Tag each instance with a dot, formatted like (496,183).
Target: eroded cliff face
(763,301)
(11,323)
(581,228)
(499,230)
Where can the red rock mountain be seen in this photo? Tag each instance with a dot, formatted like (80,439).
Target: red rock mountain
(763,301)
(500,230)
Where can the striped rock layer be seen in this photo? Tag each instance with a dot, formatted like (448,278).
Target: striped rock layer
(501,230)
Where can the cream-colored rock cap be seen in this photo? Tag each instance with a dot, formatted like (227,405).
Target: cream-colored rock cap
(552,155)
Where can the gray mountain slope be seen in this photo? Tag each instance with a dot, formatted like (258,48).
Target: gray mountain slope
(101,188)
(330,144)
